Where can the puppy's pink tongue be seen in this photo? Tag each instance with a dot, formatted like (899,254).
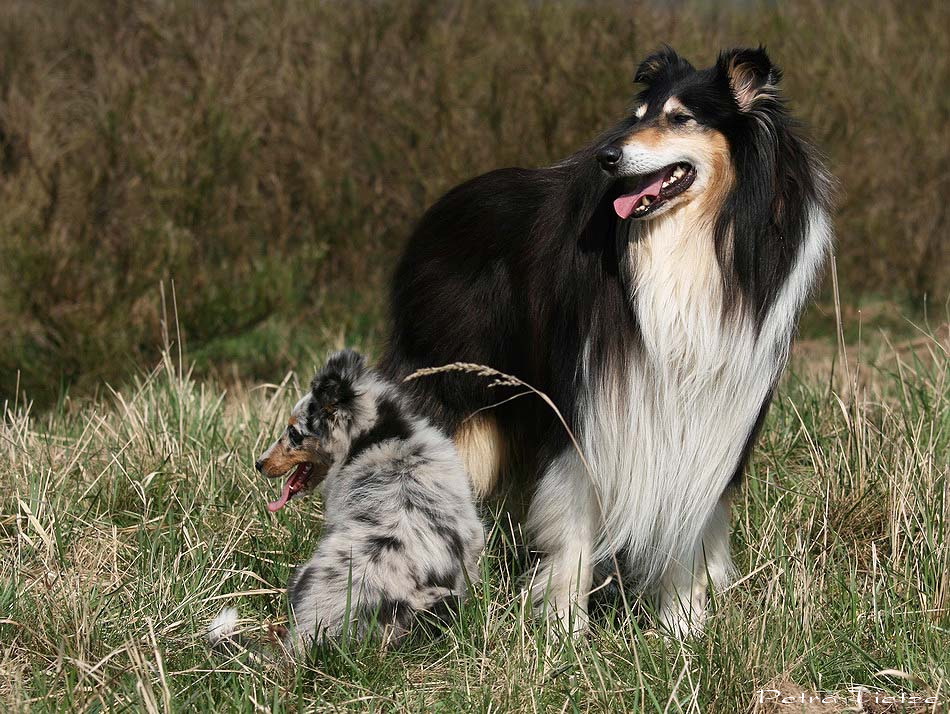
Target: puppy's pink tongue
(275,506)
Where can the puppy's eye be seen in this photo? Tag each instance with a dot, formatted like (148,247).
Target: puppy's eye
(681,119)
(296,438)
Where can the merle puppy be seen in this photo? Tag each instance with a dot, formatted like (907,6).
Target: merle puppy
(401,534)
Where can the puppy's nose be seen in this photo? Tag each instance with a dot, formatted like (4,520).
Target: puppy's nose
(259,465)
(609,156)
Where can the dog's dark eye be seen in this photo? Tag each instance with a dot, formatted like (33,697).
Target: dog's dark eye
(681,119)
(296,438)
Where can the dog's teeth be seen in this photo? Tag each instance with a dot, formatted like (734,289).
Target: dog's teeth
(667,183)
(647,201)
(677,172)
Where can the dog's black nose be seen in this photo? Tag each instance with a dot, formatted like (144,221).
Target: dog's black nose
(609,156)
(259,465)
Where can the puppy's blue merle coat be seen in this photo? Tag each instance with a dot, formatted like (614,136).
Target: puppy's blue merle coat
(401,534)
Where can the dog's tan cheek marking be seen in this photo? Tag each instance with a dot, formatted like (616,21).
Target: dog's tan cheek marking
(282,461)
(712,148)
(482,447)
(721,178)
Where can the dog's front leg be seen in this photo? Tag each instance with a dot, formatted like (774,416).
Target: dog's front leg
(562,522)
(682,592)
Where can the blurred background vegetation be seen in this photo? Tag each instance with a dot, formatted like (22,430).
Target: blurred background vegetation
(260,162)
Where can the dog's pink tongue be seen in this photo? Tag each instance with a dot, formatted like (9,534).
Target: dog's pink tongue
(275,506)
(625,204)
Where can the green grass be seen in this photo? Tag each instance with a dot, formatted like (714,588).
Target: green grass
(127,521)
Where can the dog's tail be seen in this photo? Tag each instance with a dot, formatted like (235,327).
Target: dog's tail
(224,635)
(227,638)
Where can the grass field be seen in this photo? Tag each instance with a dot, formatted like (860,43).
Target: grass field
(128,521)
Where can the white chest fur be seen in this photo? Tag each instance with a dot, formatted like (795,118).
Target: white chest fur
(664,431)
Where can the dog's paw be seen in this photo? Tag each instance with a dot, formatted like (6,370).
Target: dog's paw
(559,606)
(679,624)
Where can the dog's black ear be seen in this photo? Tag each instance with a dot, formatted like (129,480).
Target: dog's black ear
(750,74)
(334,387)
(664,61)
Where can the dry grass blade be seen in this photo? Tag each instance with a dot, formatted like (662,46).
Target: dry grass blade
(500,379)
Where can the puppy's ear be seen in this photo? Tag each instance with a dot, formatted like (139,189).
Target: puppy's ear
(333,390)
(661,63)
(750,74)
(349,363)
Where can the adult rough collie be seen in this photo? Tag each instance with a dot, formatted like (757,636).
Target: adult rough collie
(650,284)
